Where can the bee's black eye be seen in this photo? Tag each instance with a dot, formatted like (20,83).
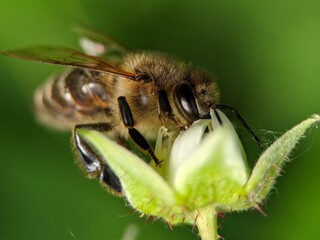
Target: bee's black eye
(186,101)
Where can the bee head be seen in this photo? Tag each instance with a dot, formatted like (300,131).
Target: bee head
(184,93)
(191,98)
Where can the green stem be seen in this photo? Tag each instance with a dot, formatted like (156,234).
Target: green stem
(206,221)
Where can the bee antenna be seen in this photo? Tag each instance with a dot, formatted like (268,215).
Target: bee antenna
(217,116)
(242,121)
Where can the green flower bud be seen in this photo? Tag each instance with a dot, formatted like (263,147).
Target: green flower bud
(204,171)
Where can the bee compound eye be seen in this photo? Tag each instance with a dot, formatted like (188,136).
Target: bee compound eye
(185,99)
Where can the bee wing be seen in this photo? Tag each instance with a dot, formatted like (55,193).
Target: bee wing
(98,44)
(68,57)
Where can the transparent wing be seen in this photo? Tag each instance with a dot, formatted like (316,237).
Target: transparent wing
(98,44)
(68,57)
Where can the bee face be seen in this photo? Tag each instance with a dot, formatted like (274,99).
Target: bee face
(178,91)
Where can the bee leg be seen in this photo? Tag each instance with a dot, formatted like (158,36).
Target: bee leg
(135,135)
(142,142)
(92,163)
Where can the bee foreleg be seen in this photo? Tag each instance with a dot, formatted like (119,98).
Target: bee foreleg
(135,135)
(92,163)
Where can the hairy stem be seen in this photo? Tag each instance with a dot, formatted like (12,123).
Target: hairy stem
(206,221)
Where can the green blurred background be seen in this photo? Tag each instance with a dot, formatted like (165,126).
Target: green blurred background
(266,55)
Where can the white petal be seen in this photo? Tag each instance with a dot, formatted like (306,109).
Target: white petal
(215,170)
(185,144)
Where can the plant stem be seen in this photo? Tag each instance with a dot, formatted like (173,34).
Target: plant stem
(206,221)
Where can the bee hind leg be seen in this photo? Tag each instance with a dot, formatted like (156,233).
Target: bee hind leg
(135,135)
(91,162)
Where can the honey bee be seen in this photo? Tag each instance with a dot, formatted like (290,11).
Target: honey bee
(121,93)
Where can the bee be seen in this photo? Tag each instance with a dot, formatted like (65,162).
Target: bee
(121,93)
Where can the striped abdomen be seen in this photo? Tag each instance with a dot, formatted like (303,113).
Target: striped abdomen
(75,97)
